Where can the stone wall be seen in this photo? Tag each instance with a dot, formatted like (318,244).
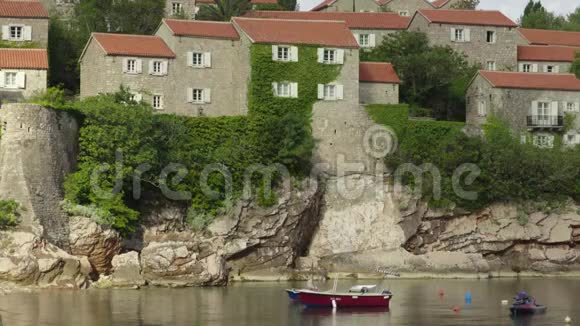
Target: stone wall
(410,6)
(563,67)
(359,5)
(379,33)
(503,51)
(512,105)
(188,8)
(35,84)
(38,147)
(378,93)
(39,28)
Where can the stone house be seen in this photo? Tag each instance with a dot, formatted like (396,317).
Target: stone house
(24,22)
(549,59)
(141,63)
(187,9)
(23,73)
(210,61)
(379,83)
(533,104)
(406,8)
(528,36)
(488,38)
(369,28)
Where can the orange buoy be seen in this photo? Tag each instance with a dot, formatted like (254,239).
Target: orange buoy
(456,308)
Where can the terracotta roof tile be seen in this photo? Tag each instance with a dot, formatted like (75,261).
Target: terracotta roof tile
(134,45)
(22,9)
(467,17)
(354,20)
(202,28)
(378,72)
(326,33)
(23,59)
(548,37)
(566,82)
(547,53)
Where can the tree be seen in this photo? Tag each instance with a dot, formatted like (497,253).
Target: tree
(223,10)
(287,4)
(573,23)
(576,65)
(466,4)
(536,16)
(432,76)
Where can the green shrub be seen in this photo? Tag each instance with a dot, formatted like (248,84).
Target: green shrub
(9,213)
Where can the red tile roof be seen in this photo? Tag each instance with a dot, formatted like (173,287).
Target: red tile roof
(202,28)
(549,37)
(24,59)
(565,82)
(133,45)
(325,33)
(547,53)
(467,17)
(22,9)
(378,72)
(354,20)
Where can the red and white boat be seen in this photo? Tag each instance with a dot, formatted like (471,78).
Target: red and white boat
(357,296)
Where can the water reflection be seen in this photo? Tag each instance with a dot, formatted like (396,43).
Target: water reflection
(415,302)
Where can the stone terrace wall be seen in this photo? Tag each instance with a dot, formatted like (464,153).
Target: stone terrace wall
(38,147)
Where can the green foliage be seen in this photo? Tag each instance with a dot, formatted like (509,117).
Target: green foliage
(223,10)
(18,45)
(269,6)
(288,4)
(536,16)
(432,76)
(466,4)
(53,96)
(576,65)
(91,211)
(510,171)
(9,215)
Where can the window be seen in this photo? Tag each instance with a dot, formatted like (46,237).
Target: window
(329,56)
(157,68)
(283,53)
(364,40)
(283,89)
(544,141)
(157,102)
(330,92)
(16,33)
(197,59)
(490,37)
(197,95)
(176,8)
(481,109)
(131,66)
(459,35)
(404,13)
(490,65)
(572,107)
(10,80)
(526,67)
(549,68)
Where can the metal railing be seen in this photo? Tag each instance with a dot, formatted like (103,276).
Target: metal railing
(545,121)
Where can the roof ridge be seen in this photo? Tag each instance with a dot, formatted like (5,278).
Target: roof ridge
(528,73)
(195,21)
(547,30)
(342,22)
(122,34)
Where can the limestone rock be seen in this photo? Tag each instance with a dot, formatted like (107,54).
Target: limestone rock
(126,271)
(99,243)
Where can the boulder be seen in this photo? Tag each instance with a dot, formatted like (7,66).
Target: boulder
(126,271)
(99,243)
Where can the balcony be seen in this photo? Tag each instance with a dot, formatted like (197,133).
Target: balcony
(545,121)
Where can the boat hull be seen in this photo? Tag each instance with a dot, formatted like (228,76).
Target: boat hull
(312,299)
(527,310)
(292,294)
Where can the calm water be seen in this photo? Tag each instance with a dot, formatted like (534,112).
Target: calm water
(416,302)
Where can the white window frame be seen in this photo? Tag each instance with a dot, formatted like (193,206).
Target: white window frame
(526,67)
(14,80)
(491,65)
(571,107)
(197,96)
(404,13)
(176,8)
(197,59)
(283,53)
(329,56)
(157,68)
(459,35)
(157,101)
(364,40)
(131,66)
(482,108)
(493,37)
(550,68)
(16,27)
(544,140)
(330,92)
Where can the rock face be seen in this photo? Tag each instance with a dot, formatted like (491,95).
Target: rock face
(27,260)
(37,149)
(126,271)
(99,243)
(518,240)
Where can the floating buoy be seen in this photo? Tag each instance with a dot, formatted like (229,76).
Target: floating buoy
(441,293)
(456,308)
(468,297)
(567,320)
(504,302)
